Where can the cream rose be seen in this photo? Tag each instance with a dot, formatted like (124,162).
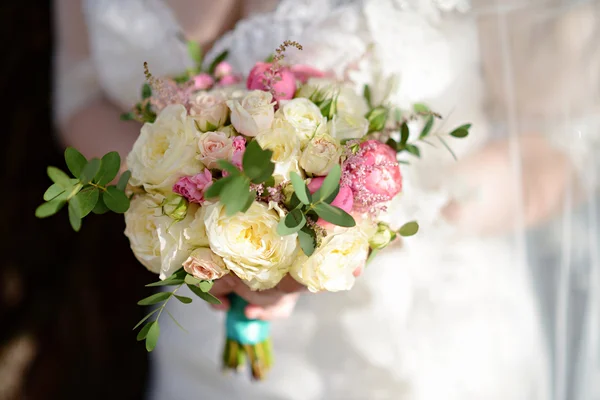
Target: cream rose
(204,264)
(348,100)
(304,116)
(195,233)
(253,114)
(249,244)
(285,145)
(165,151)
(209,110)
(332,265)
(156,240)
(214,146)
(320,155)
(346,126)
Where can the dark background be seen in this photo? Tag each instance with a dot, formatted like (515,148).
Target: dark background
(67,301)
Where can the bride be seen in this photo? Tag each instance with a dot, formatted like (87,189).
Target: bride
(451,313)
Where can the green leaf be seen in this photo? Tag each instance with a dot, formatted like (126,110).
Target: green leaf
(90,170)
(409,229)
(308,240)
(335,215)
(300,188)
(372,255)
(100,207)
(330,184)
(235,195)
(215,189)
(152,337)
(122,184)
(332,196)
(404,134)
(461,131)
(166,282)
(109,168)
(291,223)
(257,163)
(392,143)
(195,52)
(427,128)
(128,116)
(367,95)
(50,208)
(219,59)
(53,191)
(151,313)
(146,91)
(116,200)
(414,150)
(229,167)
(205,286)
(183,299)
(59,177)
(192,280)
(421,108)
(74,217)
(75,161)
(443,142)
(209,298)
(377,119)
(145,329)
(85,201)
(270,58)
(154,299)
(249,201)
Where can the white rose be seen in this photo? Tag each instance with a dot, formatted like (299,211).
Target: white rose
(346,126)
(321,89)
(156,240)
(195,233)
(285,145)
(164,151)
(320,155)
(304,116)
(214,146)
(209,110)
(350,102)
(204,264)
(250,245)
(253,114)
(332,265)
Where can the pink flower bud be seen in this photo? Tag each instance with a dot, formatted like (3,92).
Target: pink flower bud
(283,82)
(229,80)
(203,81)
(223,69)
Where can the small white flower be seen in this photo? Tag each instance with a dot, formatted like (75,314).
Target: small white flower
(304,116)
(253,114)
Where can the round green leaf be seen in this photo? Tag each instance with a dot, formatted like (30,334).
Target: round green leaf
(330,184)
(74,216)
(86,200)
(409,229)
(100,207)
(308,240)
(75,161)
(116,200)
(59,177)
(257,163)
(53,191)
(50,208)
(90,170)
(152,337)
(215,189)
(300,188)
(235,195)
(122,184)
(291,223)
(109,168)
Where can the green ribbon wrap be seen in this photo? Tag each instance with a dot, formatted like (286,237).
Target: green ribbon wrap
(241,329)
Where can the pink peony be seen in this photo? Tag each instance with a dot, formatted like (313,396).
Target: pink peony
(229,80)
(344,199)
(223,69)
(373,174)
(203,81)
(304,72)
(282,83)
(193,187)
(239,146)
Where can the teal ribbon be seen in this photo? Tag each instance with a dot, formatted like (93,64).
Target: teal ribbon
(242,329)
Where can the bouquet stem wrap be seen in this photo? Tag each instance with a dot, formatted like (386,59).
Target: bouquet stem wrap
(248,341)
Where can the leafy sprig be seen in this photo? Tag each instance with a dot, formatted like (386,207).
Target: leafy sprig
(150,332)
(88,190)
(408,229)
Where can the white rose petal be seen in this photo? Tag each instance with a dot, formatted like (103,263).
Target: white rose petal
(164,151)
(204,264)
(253,114)
(285,145)
(320,155)
(304,116)
(332,265)
(345,126)
(209,110)
(195,233)
(214,146)
(250,245)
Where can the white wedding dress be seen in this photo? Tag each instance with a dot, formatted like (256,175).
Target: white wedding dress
(445,316)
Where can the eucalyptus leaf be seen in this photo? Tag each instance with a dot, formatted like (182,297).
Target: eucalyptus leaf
(151,313)
(308,240)
(89,171)
(74,217)
(154,299)
(257,163)
(53,191)
(300,188)
(123,180)
(235,195)
(116,200)
(409,229)
(50,208)
(249,201)
(330,184)
(215,189)
(100,207)
(209,298)
(86,200)
(183,299)
(229,167)
(152,337)
(59,177)
(291,223)
(145,329)
(75,161)
(109,168)
(334,215)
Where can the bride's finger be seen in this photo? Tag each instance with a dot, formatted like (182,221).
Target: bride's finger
(263,298)
(282,309)
(290,285)
(223,286)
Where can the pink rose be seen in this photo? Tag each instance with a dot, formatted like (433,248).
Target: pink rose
(373,174)
(343,200)
(203,81)
(229,80)
(239,147)
(304,72)
(283,82)
(223,69)
(193,187)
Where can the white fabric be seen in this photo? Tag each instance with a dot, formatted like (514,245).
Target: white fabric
(443,317)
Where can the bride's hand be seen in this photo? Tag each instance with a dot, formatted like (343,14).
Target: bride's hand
(491,206)
(275,303)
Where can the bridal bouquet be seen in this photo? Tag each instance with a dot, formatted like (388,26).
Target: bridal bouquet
(287,174)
